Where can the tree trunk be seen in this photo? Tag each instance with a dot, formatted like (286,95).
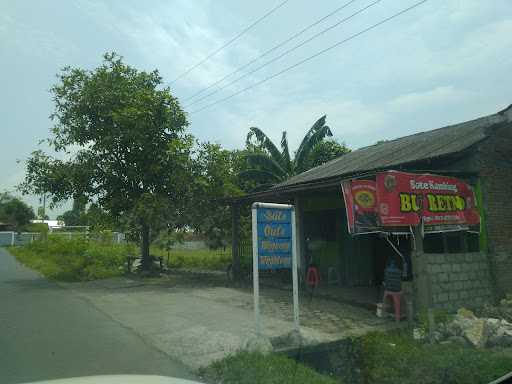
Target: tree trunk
(235,241)
(145,261)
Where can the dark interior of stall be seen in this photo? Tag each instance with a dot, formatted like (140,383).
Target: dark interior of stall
(351,268)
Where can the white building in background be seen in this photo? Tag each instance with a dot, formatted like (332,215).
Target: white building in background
(52,224)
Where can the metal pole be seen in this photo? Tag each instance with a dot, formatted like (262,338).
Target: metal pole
(295,275)
(255,279)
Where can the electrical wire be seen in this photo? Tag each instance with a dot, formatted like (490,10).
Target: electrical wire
(282,43)
(302,43)
(229,42)
(311,57)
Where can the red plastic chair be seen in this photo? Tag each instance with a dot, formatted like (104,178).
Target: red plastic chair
(397,299)
(313,277)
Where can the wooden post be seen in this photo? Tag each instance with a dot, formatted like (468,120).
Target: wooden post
(422,281)
(419,273)
(235,240)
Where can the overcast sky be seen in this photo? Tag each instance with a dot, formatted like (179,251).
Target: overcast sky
(441,63)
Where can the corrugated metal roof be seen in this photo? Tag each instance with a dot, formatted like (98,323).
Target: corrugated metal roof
(420,146)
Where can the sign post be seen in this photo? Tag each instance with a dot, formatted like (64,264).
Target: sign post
(274,245)
(295,277)
(255,269)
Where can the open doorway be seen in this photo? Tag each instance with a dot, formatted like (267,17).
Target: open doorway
(351,268)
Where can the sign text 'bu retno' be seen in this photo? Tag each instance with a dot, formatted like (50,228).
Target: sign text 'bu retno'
(397,199)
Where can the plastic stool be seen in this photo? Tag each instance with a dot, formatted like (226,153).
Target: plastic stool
(312,277)
(397,299)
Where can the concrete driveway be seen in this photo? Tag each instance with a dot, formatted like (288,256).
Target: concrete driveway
(198,323)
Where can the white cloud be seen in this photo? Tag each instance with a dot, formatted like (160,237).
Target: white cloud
(441,95)
(32,41)
(442,63)
(174,37)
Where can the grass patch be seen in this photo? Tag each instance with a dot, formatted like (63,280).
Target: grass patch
(396,358)
(195,258)
(376,358)
(255,368)
(76,259)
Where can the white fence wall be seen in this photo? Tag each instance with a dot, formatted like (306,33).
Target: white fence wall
(14,238)
(9,238)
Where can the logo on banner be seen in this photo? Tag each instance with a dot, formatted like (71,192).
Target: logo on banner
(365,199)
(361,202)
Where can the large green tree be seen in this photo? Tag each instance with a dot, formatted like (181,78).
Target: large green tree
(266,164)
(76,216)
(215,179)
(15,212)
(123,144)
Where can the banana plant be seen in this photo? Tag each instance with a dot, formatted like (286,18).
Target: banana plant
(268,165)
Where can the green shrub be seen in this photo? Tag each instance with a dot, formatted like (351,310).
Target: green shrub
(195,258)
(41,228)
(396,358)
(440,316)
(255,368)
(75,259)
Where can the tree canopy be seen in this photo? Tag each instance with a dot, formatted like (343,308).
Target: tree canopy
(14,212)
(325,151)
(215,179)
(123,146)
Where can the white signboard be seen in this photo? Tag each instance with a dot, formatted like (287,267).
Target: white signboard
(274,244)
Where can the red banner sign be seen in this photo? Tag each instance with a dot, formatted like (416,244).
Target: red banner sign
(407,198)
(397,199)
(361,202)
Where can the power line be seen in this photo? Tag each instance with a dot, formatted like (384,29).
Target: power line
(312,56)
(294,36)
(295,47)
(229,42)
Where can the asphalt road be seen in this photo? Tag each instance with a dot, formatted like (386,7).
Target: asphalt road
(47,332)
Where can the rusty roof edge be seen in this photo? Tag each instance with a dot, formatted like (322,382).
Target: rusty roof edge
(334,180)
(278,191)
(503,116)
(369,171)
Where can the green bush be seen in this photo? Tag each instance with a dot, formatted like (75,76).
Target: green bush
(440,316)
(41,228)
(196,258)
(255,368)
(396,358)
(75,259)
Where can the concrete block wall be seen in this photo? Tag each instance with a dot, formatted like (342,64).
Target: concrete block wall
(495,160)
(7,238)
(459,280)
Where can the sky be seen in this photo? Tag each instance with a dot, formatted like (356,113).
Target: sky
(441,63)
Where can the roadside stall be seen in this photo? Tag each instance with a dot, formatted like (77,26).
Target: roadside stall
(436,204)
(395,208)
